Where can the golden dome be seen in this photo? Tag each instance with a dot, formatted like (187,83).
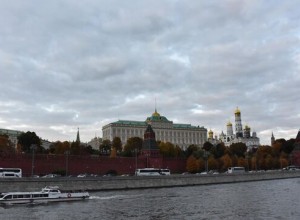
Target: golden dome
(237,111)
(229,123)
(156,114)
(210,132)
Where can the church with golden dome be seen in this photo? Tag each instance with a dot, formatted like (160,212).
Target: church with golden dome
(182,135)
(240,136)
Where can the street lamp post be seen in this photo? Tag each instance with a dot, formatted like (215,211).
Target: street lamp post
(206,154)
(247,156)
(135,160)
(67,153)
(33,148)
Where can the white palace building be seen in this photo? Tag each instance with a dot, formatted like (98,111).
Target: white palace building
(181,135)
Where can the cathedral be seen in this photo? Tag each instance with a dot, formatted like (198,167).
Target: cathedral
(240,134)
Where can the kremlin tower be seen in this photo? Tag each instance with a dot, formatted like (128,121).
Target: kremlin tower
(238,123)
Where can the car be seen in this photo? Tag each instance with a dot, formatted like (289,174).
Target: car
(292,167)
(82,175)
(51,175)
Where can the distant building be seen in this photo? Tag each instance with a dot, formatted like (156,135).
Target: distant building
(240,136)
(12,135)
(46,144)
(95,143)
(182,135)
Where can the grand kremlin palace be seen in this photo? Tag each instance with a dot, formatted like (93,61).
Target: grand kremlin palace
(182,135)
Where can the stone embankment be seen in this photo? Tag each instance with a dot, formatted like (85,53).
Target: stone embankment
(132,182)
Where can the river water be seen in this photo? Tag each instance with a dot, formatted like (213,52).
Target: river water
(275,199)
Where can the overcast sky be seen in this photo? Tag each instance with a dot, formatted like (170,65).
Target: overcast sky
(68,64)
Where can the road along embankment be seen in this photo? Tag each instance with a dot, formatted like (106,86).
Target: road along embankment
(133,182)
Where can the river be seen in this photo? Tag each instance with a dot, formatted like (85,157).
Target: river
(275,199)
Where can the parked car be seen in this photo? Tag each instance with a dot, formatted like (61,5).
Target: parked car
(82,175)
(292,167)
(51,175)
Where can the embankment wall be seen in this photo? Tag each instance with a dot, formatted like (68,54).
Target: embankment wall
(132,182)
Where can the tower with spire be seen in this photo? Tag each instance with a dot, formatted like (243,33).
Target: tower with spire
(272,139)
(78,137)
(238,123)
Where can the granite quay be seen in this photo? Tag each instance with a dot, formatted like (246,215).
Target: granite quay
(133,182)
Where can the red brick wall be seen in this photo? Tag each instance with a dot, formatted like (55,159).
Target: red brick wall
(45,164)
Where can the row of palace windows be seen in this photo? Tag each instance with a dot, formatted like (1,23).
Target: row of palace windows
(191,134)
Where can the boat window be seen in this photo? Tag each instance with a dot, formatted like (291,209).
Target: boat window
(37,195)
(26,196)
(8,197)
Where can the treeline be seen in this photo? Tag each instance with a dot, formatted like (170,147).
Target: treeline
(211,157)
(220,157)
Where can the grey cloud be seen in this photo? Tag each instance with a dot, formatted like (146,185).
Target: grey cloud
(66,64)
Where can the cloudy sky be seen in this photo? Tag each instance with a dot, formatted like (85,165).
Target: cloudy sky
(66,64)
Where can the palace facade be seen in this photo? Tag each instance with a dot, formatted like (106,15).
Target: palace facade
(181,135)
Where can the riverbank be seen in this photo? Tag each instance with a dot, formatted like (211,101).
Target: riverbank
(133,182)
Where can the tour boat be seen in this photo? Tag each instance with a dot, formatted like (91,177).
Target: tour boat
(47,194)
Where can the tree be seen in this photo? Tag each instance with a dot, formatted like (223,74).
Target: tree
(212,163)
(192,165)
(117,144)
(288,146)
(218,150)
(26,140)
(238,149)
(167,149)
(191,149)
(178,151)
(226,162)
(59,147)
(105,147)
(207,146)
(242,162)
(6,146)
(113,153)
(133,144)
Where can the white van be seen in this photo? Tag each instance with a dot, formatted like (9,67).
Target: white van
(236,170)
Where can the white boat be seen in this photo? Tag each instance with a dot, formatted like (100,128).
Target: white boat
(46,195)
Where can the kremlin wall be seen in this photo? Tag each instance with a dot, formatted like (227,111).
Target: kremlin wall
(150,157)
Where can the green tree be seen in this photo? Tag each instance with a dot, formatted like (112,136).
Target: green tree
(207,146)
(178,151)
(28,139)
(191,149)
(218,150)
(105,147)
(288,146)
(133,144)
(238,149)
(167,149)
(117,144)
